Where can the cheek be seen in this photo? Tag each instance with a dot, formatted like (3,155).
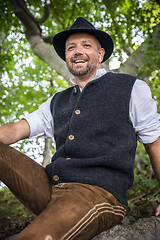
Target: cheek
(94,56)
(68,55)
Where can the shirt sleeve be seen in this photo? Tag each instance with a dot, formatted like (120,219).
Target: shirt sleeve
(41,121)
(143,113)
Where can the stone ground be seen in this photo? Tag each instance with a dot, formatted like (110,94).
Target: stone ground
(142,229)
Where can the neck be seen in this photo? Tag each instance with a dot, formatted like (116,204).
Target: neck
(82,80)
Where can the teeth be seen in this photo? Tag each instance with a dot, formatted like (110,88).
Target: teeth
(79,61)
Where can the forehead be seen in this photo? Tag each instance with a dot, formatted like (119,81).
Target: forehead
(80,37)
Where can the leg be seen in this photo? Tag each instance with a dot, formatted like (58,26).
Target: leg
(76,211)
(25,178)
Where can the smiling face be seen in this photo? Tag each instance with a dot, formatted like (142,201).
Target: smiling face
(83,56)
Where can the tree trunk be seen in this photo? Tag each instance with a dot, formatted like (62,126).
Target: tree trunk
(47,54)
(136,62)
(47,151)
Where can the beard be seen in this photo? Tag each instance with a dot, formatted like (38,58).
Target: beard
(81,70)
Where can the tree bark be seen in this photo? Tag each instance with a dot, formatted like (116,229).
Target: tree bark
(141,57)
(47,151)
(47,54)
(33,33)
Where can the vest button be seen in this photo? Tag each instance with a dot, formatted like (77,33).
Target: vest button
(75,89)
(55,178)
(77,112)
(68,158)
(71,137)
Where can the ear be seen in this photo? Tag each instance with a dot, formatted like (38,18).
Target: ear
(101,54)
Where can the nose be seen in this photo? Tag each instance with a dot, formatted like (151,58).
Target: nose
(79,50)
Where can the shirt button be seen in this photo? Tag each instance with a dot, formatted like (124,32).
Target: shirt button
(55,178)
(71,137)
(77,112)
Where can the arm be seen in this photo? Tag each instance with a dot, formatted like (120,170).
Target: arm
(37,123)
(153,150)
(145,119)
(14,132)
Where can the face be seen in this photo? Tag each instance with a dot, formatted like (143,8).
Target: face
(82,54)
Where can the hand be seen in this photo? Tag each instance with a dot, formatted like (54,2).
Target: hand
(157,211)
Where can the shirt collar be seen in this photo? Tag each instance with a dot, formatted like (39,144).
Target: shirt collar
(99,73)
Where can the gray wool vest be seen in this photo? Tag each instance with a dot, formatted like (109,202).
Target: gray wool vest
(95,139)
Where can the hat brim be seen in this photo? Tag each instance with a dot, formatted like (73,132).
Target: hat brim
(105,40)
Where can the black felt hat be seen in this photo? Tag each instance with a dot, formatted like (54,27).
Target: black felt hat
(82,25)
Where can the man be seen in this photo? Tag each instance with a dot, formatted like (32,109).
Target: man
(82,192)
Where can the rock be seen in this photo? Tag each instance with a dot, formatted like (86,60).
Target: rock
(142,229)
(12,237)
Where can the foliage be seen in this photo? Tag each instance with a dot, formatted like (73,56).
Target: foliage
(13,215)
(145,181)
(155,86)
(143,206)
(128,21)
(11,206)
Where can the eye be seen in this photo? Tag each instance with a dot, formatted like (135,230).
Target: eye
(87,45)
(70,48)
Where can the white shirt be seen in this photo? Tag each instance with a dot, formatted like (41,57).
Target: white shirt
(142,112)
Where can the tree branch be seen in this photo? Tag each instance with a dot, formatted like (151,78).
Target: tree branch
(46,13)
(72,13)
(47,54)
(39,46)
(57,16)
(48,39)
(140,62)
(28,20)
